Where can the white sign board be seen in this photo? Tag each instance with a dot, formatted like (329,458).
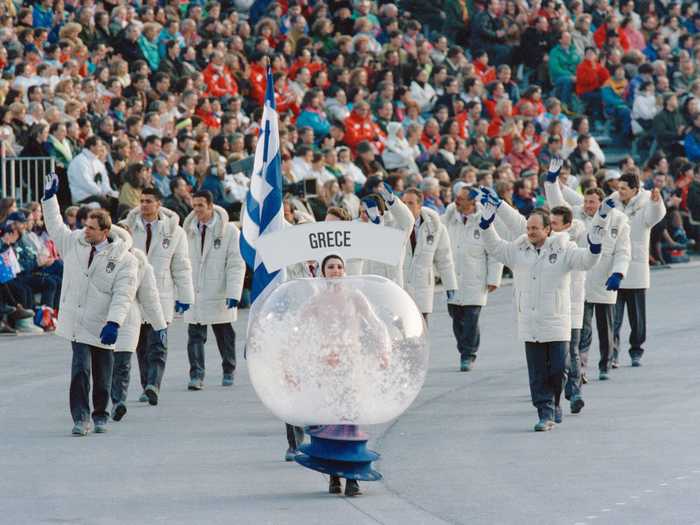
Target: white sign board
(314,241)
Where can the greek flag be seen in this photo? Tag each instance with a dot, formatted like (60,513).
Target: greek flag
(263,206)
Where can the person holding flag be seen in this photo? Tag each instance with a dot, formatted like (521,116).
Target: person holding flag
(263,214)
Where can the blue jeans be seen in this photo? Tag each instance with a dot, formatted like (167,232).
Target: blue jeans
(465,325)
(225,340)
(152,355)
(546,366)
(99,361)
(563,90)
(121,373)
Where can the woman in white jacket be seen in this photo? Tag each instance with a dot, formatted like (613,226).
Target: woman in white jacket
(146,308)
(218,271)
(422,92)
(398,153)
(645,108)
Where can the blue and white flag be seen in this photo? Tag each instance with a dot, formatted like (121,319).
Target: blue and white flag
(263,207)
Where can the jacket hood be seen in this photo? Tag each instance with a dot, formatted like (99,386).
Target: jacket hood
(432,217)
(190,224)
(451,213)
(168,217)
(120,242)
(555,241)
(577,229)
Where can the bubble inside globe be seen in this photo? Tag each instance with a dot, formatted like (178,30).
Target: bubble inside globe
(333,351)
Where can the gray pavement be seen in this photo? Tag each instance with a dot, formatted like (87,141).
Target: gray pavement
(463,453)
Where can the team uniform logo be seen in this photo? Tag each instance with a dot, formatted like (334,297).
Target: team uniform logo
(110,267)
(217,243)
(613,233)
(166,243)
(477,233)
(553,258)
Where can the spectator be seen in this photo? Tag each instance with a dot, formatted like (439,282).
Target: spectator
(312,114)
(523,199)
(489,34)
(398,153)
(563,61)
(359,128)
(521,159)
(219,78)
(669,127)
(87,176)
(180,199)
(590,77)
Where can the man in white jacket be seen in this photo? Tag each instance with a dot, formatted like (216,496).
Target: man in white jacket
(542,262)
(603,280)
(643,209)
(99,286)
(146,307)
(218,271)
(429,247)
(385,209)
(477,273)
(156,232)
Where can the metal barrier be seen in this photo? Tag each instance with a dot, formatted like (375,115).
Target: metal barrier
(23,177)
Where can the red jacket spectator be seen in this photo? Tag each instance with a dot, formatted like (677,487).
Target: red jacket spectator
(600,36)
(220,81)
(590,76)
(257,82)
(521,161)
(359,127)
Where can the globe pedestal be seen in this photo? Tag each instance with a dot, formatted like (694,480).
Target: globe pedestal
(339,450)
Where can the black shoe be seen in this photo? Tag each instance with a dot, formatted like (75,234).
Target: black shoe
(152,395)
(636,361)
(352,488)
(334,485)
(119,412)
(577,404)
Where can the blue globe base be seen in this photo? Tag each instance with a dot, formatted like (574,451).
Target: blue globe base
(347,459)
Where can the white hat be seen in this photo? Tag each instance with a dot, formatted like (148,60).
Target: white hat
(612,175)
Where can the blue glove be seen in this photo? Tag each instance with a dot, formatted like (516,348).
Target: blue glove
(488,214)
(450,294)
(595,247)
(613,282)
(387,192)
(108,335)
(474,194)
(554,168)
(489,195)
(231,303)
(162,336)
(181,308)
(50,186)
(607,205)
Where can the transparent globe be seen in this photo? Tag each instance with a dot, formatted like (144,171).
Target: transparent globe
(351,350)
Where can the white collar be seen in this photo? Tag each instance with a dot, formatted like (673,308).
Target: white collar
(101,246)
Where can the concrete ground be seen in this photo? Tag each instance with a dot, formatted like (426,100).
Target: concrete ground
(464,452)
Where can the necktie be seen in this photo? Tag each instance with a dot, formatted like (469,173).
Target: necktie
(93,250)
(464,219)
(204,233)
(312,269)
(413,240)
(148,237)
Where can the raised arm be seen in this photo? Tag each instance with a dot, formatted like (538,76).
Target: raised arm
(58,231)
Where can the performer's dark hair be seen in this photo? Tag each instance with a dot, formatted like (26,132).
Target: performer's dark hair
(157,195)
(326,259)
(544,214)
(204,194)
(564,212)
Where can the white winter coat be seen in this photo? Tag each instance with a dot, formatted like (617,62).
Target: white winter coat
(577,234)
(542,282)
(400,217)
(217,273)
(432,250)
(474,269)
(423,95)
(168,255)
(90,297)
(615,254)
(643,214)
(147,301)
(398,153)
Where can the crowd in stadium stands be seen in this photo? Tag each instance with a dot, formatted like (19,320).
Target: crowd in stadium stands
(425,94)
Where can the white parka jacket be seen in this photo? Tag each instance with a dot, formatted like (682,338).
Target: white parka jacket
(91,297)
(578,234)
(615,255)
(146,308)
(217,272)
(643,214)
(400,217)
(474,269)
(168,255)
(432,250)
(542,282)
